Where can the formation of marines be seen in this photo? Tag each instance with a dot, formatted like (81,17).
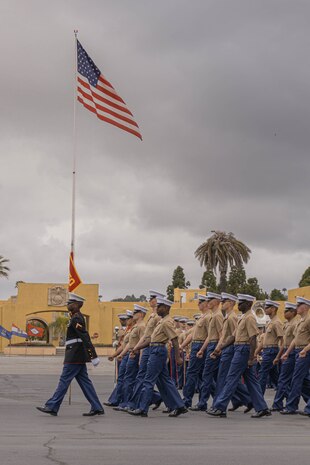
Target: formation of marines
(216,355)
(219,355)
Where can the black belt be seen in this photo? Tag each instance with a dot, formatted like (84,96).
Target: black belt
(154,344)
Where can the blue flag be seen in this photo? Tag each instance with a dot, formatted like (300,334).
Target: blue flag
(5,333)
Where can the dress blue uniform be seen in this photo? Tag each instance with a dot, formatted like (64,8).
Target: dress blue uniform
(79,351)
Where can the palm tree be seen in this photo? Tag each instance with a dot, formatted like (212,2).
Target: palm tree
(59,326)
(222,250)
(3,268)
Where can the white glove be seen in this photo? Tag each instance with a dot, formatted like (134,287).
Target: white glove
(95,361)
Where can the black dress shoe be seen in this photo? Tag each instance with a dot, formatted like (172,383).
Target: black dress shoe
(178,411)
(249,408)
(304,414)
(92,413)
(196,409)
(288,412)
(157,405)
(47,410)
(137,413)
(217,413)
(234,407)
(167,410)
(109,404)
(120,409)
(262,413)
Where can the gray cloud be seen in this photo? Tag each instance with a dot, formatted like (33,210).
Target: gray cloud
(220,90)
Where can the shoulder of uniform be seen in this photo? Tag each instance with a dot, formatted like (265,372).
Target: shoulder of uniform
(77,321)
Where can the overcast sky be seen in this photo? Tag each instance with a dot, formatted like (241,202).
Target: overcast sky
(221,91)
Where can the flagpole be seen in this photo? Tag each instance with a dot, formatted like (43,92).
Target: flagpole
(74,162)
(74,145)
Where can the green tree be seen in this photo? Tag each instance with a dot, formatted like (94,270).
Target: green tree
(305,279)
(208,280)
(236,280)
(130,298)
(252,287)
(3,268)
(178,281)
(276,294)
(221,251)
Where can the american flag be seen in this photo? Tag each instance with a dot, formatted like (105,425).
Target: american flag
(100,97)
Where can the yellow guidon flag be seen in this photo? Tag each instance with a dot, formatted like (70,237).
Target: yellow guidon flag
(74,279)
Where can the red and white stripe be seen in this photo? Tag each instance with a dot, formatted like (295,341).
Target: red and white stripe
(104,101)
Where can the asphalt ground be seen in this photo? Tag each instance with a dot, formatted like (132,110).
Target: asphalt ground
(28,437)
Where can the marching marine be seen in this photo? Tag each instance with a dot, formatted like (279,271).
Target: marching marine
(79,351)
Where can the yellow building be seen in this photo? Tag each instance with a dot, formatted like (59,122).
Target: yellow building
(41,303)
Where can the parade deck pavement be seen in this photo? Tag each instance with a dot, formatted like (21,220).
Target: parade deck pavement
(28,437)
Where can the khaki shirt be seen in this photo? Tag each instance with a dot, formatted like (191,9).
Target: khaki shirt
(246,328)
(120,336)
(289,328)
(200,330)
(136,333)
(151,324)
(189,346)
(215,326)
(260,338)
(182,337)
(164,330)
(126,337)
(302,332)
(229,326)
(274,331)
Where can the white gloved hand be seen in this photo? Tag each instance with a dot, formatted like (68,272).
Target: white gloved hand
(95,361)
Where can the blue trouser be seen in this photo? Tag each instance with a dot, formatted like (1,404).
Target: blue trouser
(301,370)
(136,393)
(284,381)
(181,372)
(267,368)
(194,372)
(69,372)
(117,394)
(173,368)
(239,367)
(157,373)
(241,396)
(209,376)
(132,368)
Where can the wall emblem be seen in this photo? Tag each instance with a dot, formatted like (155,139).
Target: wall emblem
(57,296)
